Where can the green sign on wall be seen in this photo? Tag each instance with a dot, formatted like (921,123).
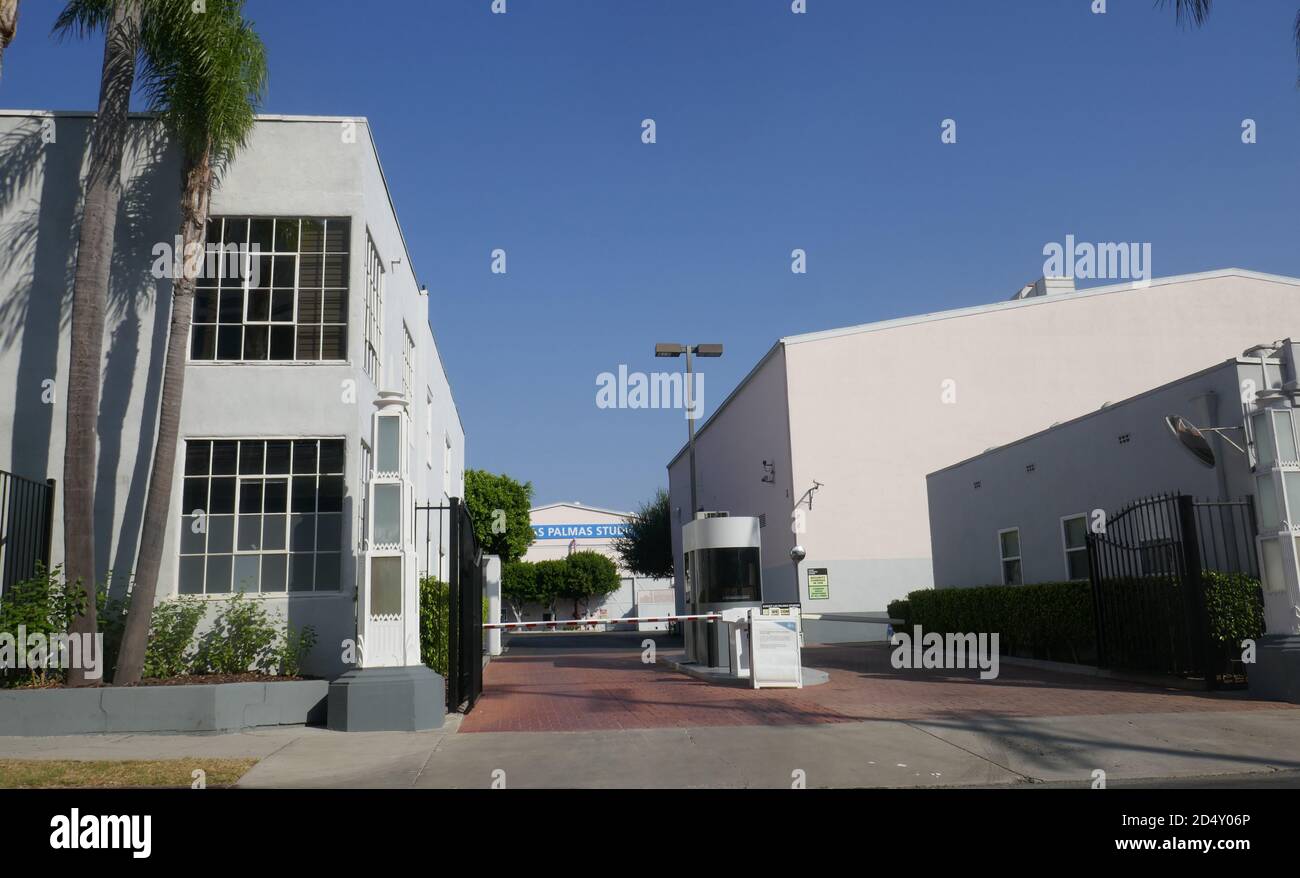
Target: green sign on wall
(819,584)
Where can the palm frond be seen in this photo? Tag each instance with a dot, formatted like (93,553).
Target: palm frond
(203,73)
(81,18)
(206,75)
(1194,11)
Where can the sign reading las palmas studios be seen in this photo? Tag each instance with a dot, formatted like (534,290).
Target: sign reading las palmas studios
(579,531)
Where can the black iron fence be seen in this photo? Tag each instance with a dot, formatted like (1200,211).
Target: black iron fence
(445,535)
(1149,567)
(26,523)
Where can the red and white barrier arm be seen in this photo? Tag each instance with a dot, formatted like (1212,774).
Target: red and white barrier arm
(709,617)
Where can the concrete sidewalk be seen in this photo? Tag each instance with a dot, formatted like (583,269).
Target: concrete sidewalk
(882,753)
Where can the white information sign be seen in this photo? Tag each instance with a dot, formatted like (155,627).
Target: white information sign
(774,658)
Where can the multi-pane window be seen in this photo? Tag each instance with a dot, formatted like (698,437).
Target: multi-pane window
(1009,547)
(374,312)
(291,302)
(261,515)
(1074,534)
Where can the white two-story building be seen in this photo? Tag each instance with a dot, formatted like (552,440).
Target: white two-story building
(285,362)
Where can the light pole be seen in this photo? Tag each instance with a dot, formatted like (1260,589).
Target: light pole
(700,350)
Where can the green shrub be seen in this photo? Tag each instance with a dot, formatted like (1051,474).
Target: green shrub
(902,610)
(434,623)
(242,638)
(1235,606)
(1048,620)
(1055,620)
(170,651)
(293,649)
(42,605)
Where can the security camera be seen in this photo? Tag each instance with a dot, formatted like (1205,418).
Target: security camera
(797,554)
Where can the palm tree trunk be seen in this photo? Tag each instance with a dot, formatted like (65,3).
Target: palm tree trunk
(89,296)
(157,510)
(8,24)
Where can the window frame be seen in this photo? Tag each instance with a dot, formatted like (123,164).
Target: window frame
(408,363)
(287,551)
(376,285)
(1065,545)
(1002,560)
(245,321)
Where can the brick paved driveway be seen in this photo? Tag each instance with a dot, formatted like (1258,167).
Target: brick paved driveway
(583,682)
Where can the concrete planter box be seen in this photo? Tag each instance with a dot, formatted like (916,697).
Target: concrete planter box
(219,707)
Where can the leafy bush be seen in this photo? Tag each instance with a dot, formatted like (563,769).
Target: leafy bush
(293,649)
(169,652)
(1048,620)
(1056,620)
(44,605)
(434,623)
(902,610)
(1235,606)
(242,638)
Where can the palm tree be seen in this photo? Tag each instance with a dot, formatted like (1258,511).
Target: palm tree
(121,24)
(206,93)
(127,25)
(8,24)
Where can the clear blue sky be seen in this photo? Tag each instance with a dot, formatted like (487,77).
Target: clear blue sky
(775,131)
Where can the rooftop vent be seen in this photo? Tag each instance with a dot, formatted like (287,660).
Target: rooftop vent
(1045,286)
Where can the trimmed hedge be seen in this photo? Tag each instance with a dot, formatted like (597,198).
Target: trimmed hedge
(1236,607)
(1054,620)
(1047,620)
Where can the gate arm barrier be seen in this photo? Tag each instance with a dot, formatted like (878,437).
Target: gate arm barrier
(708,617)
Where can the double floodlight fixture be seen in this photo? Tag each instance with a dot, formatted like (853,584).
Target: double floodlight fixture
(699,350)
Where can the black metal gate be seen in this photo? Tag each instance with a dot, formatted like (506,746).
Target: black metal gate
(449,534)
(1147,569)
(26,522)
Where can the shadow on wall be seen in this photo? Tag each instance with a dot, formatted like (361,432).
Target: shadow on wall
(32,310)
(149,208)
(39,261)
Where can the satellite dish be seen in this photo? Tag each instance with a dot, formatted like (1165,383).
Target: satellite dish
(1191,438)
